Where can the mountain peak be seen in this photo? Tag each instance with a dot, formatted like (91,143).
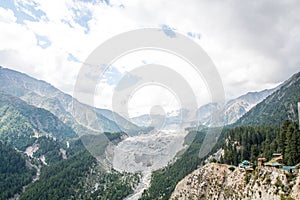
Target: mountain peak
(279,106)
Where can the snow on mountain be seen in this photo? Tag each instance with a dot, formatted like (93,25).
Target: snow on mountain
(233,110)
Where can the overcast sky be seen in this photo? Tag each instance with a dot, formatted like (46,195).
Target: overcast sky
(254,44)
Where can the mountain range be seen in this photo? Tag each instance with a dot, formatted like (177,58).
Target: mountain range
(36,116)
(233,110)
(83,118)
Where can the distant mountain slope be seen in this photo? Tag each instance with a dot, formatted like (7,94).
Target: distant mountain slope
(19,122)
(205,112)
(233,109)
(42,94)
(155,121)
(231,112)
(236,108)
(277,107)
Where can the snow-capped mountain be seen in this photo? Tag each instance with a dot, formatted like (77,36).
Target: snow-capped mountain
(158,121)
(234,109)
(211,114)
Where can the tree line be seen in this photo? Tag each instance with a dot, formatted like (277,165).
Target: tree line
(249,143)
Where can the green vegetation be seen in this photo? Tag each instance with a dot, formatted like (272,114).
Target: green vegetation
(49,148)
(249,143)
(20,121)
(115,185)
(114,136)
(60,180)
(289,143)
(285,198)
(13,172)
(276,108)
(77,177)
(14,129)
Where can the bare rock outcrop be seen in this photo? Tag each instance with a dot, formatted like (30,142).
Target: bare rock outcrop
(216,181)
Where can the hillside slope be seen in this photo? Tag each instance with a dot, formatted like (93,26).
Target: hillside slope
(236,108)
(277,107)
(81,117)
(20,122)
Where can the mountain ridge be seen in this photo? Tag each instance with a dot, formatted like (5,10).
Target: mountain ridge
(81,117)
(21,122)
(234,109)
(231,112)
(277,107)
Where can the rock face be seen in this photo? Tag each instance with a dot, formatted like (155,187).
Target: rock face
(216,181)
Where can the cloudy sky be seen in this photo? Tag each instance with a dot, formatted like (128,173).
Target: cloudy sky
(253,44)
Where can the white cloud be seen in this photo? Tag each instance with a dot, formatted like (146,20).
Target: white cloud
(7,16)
(255,44)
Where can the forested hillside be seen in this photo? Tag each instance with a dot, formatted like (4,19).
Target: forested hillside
(13,172)
(20,122)
(80,177)
(41,138)
(249,143)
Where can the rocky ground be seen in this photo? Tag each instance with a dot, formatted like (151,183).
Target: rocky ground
(216,181)
(146,153)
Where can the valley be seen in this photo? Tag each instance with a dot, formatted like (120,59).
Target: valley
(146,153)
(66,149)
(149,100)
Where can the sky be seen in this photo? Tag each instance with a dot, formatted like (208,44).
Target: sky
(254,44)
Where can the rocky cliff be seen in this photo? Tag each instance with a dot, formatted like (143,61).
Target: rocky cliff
(216,181)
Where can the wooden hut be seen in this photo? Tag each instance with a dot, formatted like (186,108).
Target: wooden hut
(277,157)
(261,161)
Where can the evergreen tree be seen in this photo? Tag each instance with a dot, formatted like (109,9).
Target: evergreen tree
(248,143)
(283,135)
